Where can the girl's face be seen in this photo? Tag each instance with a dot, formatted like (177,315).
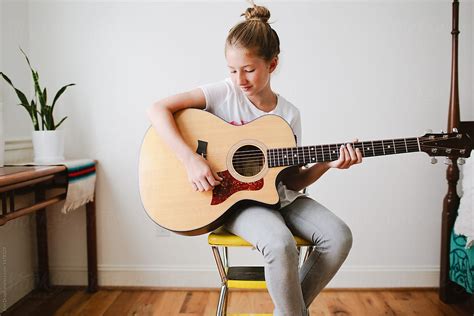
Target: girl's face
(249,72)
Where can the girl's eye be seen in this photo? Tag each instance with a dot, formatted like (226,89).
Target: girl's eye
(250,70)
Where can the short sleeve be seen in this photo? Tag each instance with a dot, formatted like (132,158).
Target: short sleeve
(296,126)
(215,94)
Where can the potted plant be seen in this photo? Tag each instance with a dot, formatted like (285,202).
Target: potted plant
(48,142)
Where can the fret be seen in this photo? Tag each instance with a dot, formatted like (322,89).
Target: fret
(329,152)
(307,155)
(298,155)
(277,156)
(358,145)
(269,159)
(400,146)
(394,148)
(314,154)
(291,157)
(280,157)
(412,145)
(363,149)
(368,149)
(378,148)
(334,152)
(388,147)
(406,147)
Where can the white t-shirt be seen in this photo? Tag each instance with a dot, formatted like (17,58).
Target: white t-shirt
(229,103)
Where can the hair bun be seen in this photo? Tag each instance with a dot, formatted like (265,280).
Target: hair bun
(256,13)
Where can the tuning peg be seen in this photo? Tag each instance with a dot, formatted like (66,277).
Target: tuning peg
(434,160)
(429,131)
(461,161)
(455,130)
(442,132)
(448,162)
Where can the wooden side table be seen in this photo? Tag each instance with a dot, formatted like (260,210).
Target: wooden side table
(15,181)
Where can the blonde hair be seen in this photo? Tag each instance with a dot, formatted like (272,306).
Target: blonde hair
(255,34)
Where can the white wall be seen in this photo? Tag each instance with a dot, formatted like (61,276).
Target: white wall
(370,70)
(17,242)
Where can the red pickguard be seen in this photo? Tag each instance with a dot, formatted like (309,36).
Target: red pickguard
(230,185)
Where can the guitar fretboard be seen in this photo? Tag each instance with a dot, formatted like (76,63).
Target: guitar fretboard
(291,156)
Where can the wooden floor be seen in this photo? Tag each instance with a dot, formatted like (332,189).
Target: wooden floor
(63,301)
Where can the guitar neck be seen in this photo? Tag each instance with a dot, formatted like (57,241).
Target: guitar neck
(291,156)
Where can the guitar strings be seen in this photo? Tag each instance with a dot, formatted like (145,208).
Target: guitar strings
(308,155)
(378,143)
(412,144)
(255,156)
(299,151)
(326,151)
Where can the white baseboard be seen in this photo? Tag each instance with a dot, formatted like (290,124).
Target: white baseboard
(208,277)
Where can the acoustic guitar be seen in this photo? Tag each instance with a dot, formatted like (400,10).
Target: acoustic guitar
(250,159)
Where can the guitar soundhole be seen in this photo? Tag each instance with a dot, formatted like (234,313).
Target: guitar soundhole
(248,160)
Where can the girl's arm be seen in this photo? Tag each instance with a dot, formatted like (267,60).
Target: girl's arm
(201,177)
(304,177)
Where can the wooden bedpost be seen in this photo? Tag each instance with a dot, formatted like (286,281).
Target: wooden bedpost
(450,292)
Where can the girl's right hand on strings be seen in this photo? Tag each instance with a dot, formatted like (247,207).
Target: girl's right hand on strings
(200,175)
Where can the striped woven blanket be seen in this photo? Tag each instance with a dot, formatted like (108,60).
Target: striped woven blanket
(81,187)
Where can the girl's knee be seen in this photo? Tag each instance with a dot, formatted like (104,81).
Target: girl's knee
(347,239)
(280,248)
(343,241)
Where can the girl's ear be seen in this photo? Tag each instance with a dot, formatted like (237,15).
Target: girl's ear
(273,64)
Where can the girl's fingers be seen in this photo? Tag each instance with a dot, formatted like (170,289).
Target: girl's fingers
(351,153)
(217,177)
(199,186)
(359,155)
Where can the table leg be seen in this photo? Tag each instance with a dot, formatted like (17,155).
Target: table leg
(91,247)
(42,243)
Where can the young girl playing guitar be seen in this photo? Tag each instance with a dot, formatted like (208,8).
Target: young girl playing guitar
(251,51)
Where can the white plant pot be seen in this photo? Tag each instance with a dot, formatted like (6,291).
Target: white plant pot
(48,146)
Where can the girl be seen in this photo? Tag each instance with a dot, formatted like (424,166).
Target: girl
(251,51)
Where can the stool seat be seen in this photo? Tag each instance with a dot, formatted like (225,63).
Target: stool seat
(222,237)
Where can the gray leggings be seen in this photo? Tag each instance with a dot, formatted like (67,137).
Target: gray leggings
(270,231)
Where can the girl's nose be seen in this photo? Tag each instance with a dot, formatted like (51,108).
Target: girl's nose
(242,79)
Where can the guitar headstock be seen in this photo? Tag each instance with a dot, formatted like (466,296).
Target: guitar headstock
(453,144)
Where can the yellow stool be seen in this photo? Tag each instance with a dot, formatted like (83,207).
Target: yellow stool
(240,277)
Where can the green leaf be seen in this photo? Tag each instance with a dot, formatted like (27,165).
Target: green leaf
(60,122)
(61,91)
(35,76)
(20,94)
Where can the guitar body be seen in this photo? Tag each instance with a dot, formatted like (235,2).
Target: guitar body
(237,153)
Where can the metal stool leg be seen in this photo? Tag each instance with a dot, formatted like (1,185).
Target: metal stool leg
(222,306)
